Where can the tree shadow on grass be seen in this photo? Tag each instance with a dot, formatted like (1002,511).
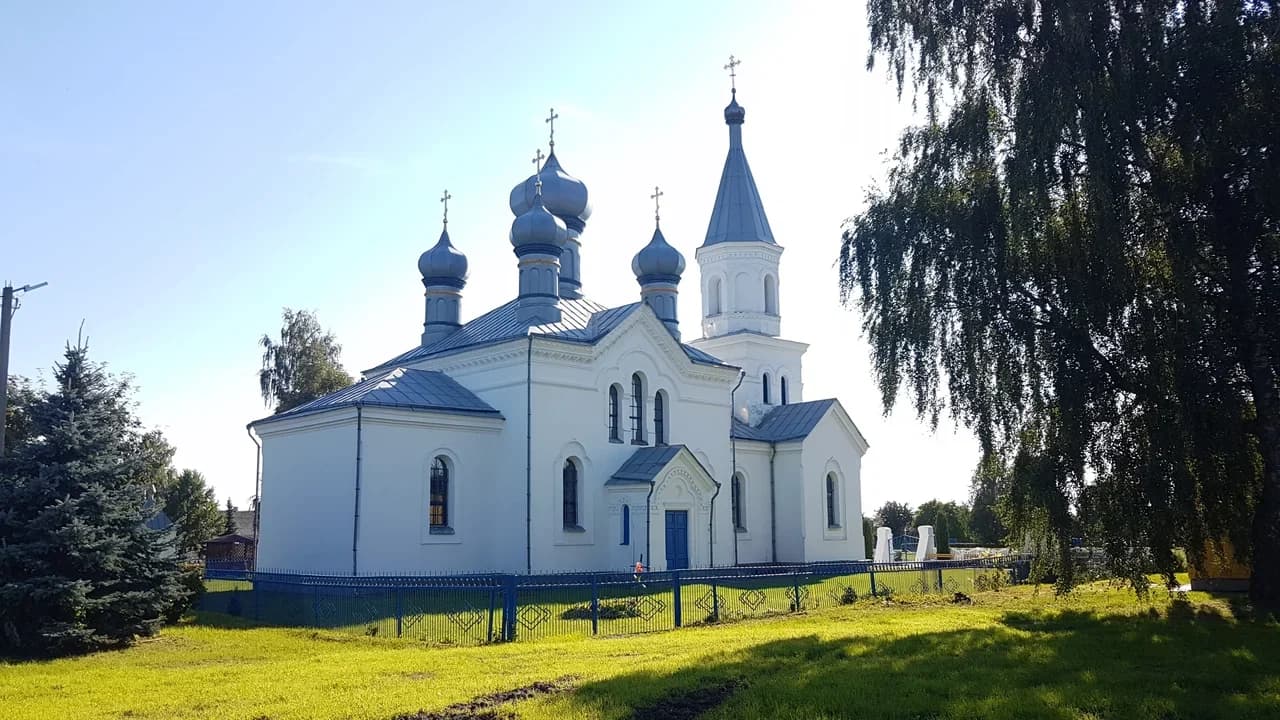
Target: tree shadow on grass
(1187,664)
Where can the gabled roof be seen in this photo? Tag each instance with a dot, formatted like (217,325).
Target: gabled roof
(645,463)
(582,321)
(399,388)
(784,422)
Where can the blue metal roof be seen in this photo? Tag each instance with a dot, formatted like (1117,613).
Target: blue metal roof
(784,422)
(738,214)
(582,320)
(645,463)
(399,388)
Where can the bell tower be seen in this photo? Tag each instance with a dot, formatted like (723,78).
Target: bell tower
(738,260)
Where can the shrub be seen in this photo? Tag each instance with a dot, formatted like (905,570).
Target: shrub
(849,596)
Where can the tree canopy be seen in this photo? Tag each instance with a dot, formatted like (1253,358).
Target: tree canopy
(302,365)
(79,568)
(896,516)
(191,506)
(1078,256)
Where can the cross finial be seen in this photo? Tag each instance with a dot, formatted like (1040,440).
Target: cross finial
(551,120)
(733,74)
(444,199)
(537,163)
(657,199)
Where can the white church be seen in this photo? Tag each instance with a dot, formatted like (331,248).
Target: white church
(552,433)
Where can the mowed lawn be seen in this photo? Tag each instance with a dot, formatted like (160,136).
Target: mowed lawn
(1017,653)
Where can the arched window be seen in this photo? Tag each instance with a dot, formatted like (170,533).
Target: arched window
(569,479)
(714,300)
(735,497)
(770,295)
(615,413)
(637,409)
(833,504)
(659,419)
(439,510)
(626,525)
(768,396)
(785,395)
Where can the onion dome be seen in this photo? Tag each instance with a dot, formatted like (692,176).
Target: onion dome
(537,228)
(658,261)
(443,264)
(563,195)
(734,114)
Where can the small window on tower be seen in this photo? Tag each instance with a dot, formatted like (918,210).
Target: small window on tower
(767,391)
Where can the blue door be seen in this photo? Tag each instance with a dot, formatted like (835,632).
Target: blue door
(677,539)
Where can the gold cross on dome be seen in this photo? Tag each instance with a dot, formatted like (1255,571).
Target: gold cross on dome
(657,199)
(445,198)
(551,120)
(733,74)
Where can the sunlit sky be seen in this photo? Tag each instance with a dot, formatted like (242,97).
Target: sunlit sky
(179,172)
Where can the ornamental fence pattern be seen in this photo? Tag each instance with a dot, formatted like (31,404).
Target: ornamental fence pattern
(477,609)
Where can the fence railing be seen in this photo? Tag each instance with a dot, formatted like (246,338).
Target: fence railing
(474,609)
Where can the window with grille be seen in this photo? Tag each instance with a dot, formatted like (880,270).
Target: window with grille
(735,497)
(637,409)
(659,420)
(615,413)
(833,508)
(439,510)
(570,489)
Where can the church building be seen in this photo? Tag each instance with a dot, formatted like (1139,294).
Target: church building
(552,433)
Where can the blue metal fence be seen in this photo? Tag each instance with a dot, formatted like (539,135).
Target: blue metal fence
(475,609)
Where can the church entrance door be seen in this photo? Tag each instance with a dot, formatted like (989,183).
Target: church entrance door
(677,539)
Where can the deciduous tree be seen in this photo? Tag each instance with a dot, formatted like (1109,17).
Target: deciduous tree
(896,516)
(302,365)
(1078,256)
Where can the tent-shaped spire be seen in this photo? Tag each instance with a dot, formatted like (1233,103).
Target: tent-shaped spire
(738,215)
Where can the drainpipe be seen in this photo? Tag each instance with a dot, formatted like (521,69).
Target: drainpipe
(355,518)
(733,454)
(773,505)
(647,522)
(528,459)
(257,493)
(711,526)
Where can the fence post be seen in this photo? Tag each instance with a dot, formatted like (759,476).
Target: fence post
(395,593)
(675,594)
(715,600)
(595,605)
(939,578)
(795,591)
(872,570)
(509,607)
(492,598)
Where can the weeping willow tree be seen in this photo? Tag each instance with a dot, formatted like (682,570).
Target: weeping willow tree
(1077,254)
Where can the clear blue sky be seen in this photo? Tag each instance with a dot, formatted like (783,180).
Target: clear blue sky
(178,172)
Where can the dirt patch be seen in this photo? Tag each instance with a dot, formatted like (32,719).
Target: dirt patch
(688,704)
(484,707)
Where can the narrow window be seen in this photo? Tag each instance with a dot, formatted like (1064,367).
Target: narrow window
(785,395)
(659,420)
(570,489)
(770,295)
(626,524)
(615,413)
(637,409)
(768,400)
(833,517)
(713,306)
(439,511)
(735,497)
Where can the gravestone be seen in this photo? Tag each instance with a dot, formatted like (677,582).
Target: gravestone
(884,545)
(927,549)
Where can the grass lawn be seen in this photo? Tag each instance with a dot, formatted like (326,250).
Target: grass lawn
(1017,653)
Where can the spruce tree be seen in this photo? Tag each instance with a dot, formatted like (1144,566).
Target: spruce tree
(79,569)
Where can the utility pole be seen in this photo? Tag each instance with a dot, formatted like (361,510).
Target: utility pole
(7,308)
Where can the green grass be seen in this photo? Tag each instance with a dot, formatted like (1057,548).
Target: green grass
(1018,653)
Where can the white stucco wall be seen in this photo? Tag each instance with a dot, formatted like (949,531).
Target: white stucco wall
(308,493)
